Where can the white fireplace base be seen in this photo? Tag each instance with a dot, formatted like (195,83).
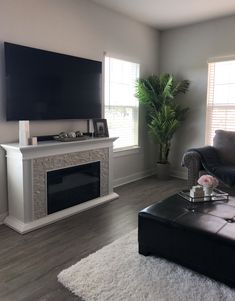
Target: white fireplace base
(27,169)
(23,228)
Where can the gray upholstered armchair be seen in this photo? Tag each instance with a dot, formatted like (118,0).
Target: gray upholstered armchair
(223,143)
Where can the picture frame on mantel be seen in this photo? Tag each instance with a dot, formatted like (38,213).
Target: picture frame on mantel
(100,128)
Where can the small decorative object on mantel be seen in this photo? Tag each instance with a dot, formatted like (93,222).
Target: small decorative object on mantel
(24,132)
(33,141)
(78,134)
(100,128)
(70,136)
(208,183)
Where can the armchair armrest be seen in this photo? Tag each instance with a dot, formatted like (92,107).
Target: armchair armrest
(192,161)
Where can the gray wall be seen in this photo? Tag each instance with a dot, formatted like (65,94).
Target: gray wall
(84,29)
(184,51)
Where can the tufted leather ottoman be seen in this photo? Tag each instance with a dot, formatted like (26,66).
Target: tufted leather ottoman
(198,236)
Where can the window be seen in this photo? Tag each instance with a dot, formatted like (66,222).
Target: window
(121,106)
(220,98)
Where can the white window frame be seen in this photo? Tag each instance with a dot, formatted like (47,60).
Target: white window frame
(211,104)
(131,149)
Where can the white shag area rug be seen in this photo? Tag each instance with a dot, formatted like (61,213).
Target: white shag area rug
(118,273)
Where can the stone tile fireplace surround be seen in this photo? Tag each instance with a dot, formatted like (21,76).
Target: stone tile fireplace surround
(27,169)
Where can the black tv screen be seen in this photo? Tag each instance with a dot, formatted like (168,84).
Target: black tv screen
(43,85)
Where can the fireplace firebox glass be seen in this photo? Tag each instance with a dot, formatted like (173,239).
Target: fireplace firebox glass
(71,186)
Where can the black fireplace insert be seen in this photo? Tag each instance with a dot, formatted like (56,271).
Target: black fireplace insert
(71,186)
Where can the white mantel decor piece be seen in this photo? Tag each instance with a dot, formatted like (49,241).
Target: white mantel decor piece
(27,168)
(24,133)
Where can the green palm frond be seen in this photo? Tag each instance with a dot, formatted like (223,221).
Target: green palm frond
(180,87)
(166,83)
(145,92)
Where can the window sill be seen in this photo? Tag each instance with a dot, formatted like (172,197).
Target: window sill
(126,151)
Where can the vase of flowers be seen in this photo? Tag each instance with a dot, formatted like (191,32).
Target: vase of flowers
(209,183)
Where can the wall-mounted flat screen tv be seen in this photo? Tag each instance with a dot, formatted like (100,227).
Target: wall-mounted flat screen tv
(43,85)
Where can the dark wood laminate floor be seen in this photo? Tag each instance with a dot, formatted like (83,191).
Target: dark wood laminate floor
(29,263)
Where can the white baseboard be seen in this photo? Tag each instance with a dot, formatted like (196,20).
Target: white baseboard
(2,217)
(134,177)
(143,174)
(179,174)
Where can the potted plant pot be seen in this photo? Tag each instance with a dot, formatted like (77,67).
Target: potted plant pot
(163,171)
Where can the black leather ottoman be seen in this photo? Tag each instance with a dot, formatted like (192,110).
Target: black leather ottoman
(198,236)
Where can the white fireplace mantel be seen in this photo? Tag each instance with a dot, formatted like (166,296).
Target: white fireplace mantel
(51,148)
(27,167)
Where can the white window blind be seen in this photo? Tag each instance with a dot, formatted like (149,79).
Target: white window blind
(220,98)
(121,105)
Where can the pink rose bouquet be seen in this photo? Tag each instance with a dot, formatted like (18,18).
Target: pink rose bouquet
(208,181)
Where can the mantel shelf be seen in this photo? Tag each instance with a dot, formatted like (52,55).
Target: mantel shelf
(48,148)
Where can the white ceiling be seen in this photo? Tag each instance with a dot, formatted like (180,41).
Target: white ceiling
(164,14)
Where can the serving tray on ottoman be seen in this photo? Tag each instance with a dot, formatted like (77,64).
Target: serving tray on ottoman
(199,236)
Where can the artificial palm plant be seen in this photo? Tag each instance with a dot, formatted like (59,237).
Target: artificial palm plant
(164,115)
